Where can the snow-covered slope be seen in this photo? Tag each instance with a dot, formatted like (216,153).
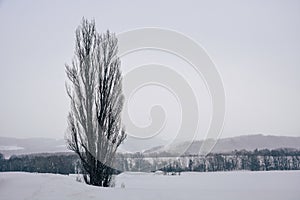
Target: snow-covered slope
(139,186)
(15,146)
(247,142)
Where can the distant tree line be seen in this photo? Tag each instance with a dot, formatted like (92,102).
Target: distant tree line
(68,163)
(41,163)
(257,160)
(263,160)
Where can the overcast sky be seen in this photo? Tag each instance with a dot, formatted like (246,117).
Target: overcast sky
(254,44)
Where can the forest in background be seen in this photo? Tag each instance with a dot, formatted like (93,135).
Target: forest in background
(68,163)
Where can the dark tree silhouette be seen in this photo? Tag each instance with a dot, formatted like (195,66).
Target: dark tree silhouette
(95,129)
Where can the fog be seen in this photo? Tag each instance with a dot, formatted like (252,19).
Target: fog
(254,45)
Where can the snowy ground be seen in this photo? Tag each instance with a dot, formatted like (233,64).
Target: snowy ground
(214,185)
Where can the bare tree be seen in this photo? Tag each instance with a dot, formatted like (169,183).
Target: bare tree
(95,130)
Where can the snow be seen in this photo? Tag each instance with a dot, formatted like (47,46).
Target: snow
(10,148)
(209,186)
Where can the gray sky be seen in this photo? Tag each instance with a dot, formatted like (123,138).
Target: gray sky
(254,44)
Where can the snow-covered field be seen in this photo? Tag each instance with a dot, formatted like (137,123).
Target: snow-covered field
(213,185)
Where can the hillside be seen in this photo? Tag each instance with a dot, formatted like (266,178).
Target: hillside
(247,142)
(15,146)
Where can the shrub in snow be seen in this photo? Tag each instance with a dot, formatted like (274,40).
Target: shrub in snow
(122,185)
(112,181)
(78,179)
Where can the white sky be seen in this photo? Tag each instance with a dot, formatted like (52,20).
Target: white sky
(254,44)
